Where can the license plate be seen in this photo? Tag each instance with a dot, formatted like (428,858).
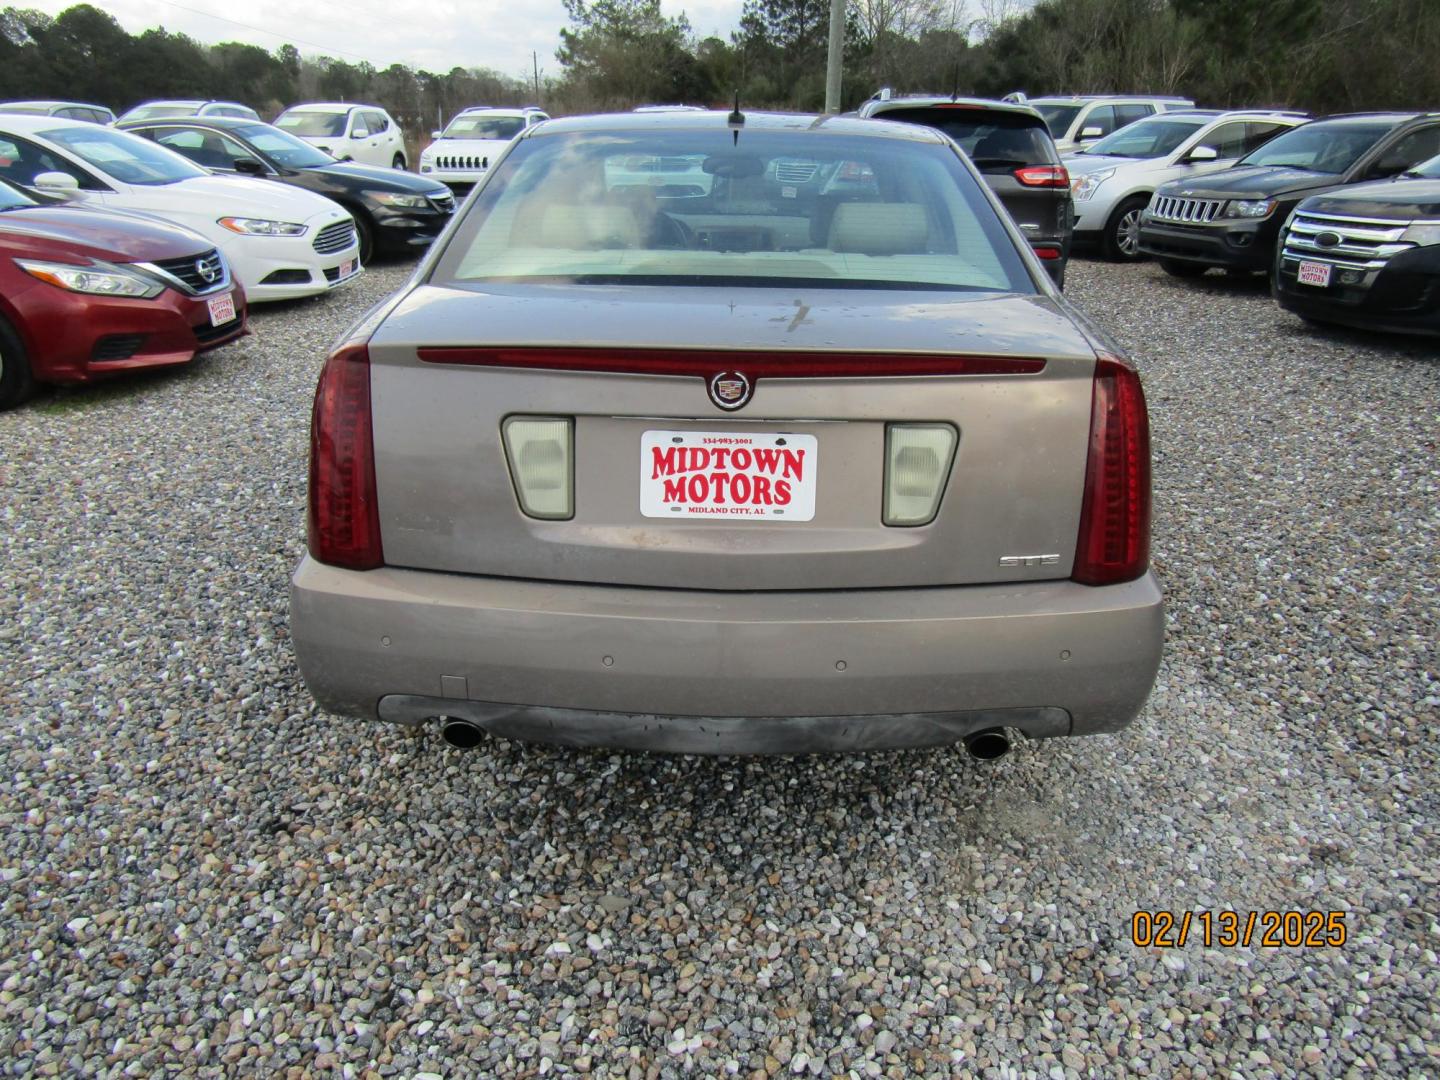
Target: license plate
(348,269)
(222,309)
(728,476)
(1315,273)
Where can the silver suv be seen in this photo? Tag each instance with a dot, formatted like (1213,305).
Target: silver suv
(1077,120)
(1112,180)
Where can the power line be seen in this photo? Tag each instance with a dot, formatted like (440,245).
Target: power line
(288,39)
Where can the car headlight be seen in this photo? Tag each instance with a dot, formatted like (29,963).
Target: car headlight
(1424,235)
(99,279)
(395,199)
(1086,185)
(249,226)
(1250,208)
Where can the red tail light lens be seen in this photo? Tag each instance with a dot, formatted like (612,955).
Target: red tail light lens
(344,524)
(1114,541)
(1049,253)
(1043,176)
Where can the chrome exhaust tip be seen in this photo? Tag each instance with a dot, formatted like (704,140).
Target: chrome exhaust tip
(989,745)
(460,733)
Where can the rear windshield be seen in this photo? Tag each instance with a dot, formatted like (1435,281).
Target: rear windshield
(1323,148)
(484,127)
(773,209)
(1151,138)
(1058,117)
(159,112)
(994,141)
(28,110)
(313,125)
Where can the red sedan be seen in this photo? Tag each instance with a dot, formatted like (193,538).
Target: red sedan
(90,293)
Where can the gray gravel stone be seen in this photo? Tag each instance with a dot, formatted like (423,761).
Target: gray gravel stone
(201,873)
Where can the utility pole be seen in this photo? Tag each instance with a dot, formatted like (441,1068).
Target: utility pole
(832,62)
(535,63)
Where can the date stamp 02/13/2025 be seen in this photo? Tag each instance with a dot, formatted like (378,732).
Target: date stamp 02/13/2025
(1227,929)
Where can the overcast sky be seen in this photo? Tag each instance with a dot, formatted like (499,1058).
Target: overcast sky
(436,35)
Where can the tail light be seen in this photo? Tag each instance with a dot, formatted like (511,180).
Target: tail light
(1049,253)
(1114,541)
(344,523)
(1044,176)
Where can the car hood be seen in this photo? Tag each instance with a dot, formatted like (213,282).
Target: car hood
(737,318)
(114,236)
(373,178)
(1081,164)
(227,196)
(1250,182)
(490,148)
(1399,199)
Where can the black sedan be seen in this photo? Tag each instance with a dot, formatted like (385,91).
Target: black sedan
(394,211)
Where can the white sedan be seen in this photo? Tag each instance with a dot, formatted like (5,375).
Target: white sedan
(280,242)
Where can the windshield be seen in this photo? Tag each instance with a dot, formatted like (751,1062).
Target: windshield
(159,112)
(128,158)
(313,125)
(1058,117)
(10,197)
(778,208)
(1323,148)
(284,148)
(484,127)
(1147,138)
(994,141)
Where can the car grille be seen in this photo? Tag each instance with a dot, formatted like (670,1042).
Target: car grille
(462,161)
(333,238)
(795,172)
(1357,243)
(200,273)
(1185,211)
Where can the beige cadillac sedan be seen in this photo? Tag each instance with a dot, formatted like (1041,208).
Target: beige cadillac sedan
(730,434)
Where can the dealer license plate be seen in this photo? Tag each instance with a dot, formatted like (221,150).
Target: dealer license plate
(348,269)
(222,309)
(728,475)
(1315,273)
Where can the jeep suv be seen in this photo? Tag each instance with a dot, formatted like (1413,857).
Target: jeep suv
(1011,146)
(1231,219)
(1076,120)
(1366,256)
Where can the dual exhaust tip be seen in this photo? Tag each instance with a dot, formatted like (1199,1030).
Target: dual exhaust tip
(989,745)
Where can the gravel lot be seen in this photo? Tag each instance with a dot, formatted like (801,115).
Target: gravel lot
(201,874)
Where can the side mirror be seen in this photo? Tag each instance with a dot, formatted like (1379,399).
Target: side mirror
(249,167)
(1203,153)
(1091,133)
(58,183)
(359,135)
(434,134)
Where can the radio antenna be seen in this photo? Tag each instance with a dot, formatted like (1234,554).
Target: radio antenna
(736,120)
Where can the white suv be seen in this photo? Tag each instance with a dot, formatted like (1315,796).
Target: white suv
(1075,121)
(363,133)
(1112,180)
(462,154)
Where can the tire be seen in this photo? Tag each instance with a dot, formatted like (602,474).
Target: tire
(365,234)
(1121,239)
(398,162)
(17,381)
(1176,268)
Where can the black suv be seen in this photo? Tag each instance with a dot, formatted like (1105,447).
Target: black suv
(1366,256)
(1232,218)
(1012,148)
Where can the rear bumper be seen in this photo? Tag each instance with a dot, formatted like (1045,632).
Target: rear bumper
(767,672)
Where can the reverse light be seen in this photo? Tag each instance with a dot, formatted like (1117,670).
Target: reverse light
(1056,176)
(98,279)
(247,226)
(344,518)
(540,450)
(1250,208)
(917,466)
(1113,545)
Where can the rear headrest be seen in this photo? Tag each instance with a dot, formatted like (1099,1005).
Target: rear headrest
(879,229)
(593,226)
